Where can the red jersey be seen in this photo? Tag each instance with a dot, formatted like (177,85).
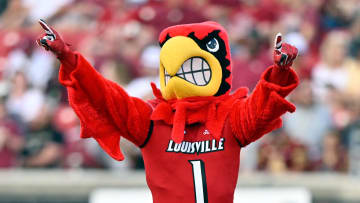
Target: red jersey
(199,169)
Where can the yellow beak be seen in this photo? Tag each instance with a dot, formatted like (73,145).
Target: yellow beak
(174,54)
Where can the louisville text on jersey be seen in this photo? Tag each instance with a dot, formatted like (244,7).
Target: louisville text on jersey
(196,147)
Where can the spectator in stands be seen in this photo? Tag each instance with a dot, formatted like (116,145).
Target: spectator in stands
(353,86)
(14,16)
(310,122)
(140,87)
(24,102)
(350,139)
(44,144)
(280,152)
(331,71)
(11,139)
(334,155)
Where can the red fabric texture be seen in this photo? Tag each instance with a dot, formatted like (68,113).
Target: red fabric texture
(215,126)
(169,173)
(107,113)
(251,117)
(211,111)
(260,113)
(58,47)
(105,110)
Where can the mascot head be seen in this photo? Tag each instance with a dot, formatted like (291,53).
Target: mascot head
(194,61)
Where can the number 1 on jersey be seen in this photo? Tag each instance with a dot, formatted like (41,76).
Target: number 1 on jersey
(199,177)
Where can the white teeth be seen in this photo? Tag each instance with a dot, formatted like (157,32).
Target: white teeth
(194,70)
(180,73)
(196,64)
(189,77)
(199,78)
(205,65)
(187,66)
(207,75)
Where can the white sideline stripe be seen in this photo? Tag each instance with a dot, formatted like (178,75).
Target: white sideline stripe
(248,195)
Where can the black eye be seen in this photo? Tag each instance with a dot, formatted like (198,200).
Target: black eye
(213,45)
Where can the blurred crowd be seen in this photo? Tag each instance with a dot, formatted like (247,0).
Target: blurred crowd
(39,129)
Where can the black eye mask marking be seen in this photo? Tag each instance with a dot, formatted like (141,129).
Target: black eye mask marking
(220,55)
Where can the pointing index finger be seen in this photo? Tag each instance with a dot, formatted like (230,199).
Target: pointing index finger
(47,28)
(278,41)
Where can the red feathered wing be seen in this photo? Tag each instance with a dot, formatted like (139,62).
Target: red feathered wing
(260,113)
(106,111)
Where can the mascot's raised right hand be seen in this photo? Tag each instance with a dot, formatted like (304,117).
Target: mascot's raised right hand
(52,41)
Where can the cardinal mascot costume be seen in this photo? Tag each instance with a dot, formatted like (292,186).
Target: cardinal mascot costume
(191,134)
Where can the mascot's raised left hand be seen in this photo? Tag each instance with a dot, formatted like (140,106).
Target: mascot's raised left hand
(192,133)
(284,54)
